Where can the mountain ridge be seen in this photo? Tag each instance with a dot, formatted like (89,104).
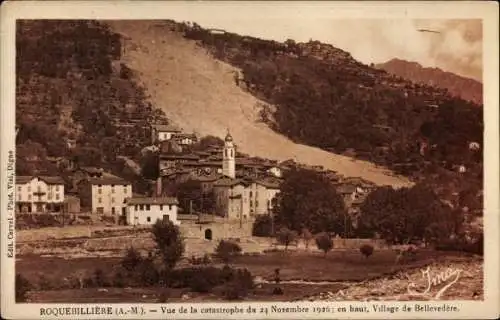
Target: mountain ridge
(466,88)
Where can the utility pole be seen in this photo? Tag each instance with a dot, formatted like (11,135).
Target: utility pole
(241,213)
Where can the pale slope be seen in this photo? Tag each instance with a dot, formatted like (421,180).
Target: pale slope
(199,94)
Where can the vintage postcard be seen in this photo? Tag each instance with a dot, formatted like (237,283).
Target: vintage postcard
(249,160)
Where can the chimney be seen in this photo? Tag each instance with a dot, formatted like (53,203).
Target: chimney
(158,187)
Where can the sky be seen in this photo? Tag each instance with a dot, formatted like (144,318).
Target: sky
(456,48)
(457,45)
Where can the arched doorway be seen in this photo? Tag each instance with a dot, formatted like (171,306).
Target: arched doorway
(208,234)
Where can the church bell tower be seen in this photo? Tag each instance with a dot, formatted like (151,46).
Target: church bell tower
(228,157)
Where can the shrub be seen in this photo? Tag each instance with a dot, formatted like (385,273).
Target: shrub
(163,297)
(366,250)
(147,273)
(23,286)
(200,260)
(306,237)
(131,260)
(324,242)
(286,236)
(239,286)
(262,226)
(44,283)
(278,291)
(100,278)
(226,250)
(118,280)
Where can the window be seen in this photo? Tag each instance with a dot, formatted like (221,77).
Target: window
(251,203)
(112,189)
(161,207)
(169,207)
(256,203)
(29,197)
(99,191)
(112,200)
(29,188)
(113,210)
(99,200)
(148,207)
(39,189)
(148,219)
(18,197)
(125,189)
(141,207)
(57,188)
(250,194)
(135,207)
(49,196)
(19,188)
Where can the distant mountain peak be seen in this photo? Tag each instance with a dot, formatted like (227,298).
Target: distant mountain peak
(459,86)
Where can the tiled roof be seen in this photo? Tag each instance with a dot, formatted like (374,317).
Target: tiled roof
(346,188)
(109,180)
(166,127)
(208,178)
(268,183)
(180,156)
(23,179)
(46,179)
(184,135)
(52,179)
(91,169)
(158,201)
(227,182)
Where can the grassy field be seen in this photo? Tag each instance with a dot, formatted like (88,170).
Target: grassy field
(152,294)
(310,267)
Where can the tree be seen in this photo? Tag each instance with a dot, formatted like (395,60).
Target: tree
(131,260)
(262,226)
(366,250)
(307,236)
(406,214)
(309,200)
(169,243)
(286,236)
(226,250)
(208,141)
(189,194)
(150,166)
(324,242)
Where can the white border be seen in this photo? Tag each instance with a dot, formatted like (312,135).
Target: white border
(488,11)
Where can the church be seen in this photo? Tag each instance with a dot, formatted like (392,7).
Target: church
(241,198)
(242,188)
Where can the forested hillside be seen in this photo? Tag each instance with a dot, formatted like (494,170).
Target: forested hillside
(72,83)
(325,98)
(71,86)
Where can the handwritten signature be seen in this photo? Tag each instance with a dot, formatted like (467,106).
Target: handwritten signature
(445,279)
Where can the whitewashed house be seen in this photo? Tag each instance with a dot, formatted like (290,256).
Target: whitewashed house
(146,211)
(39,194)
(163,132)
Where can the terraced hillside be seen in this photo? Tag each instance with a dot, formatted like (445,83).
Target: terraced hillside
(199,93)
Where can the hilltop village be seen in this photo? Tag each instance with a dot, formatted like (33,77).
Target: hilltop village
(235,188)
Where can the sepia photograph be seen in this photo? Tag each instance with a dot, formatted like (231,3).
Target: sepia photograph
(226,158)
